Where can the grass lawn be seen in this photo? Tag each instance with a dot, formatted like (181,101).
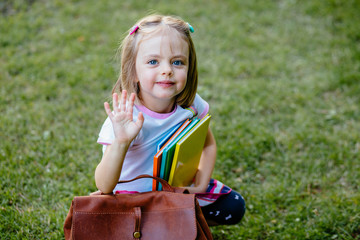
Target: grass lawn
(282,79)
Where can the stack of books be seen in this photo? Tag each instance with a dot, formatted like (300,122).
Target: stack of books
(178,153)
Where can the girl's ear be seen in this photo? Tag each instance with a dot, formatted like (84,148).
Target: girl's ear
(137,87)
(135,80)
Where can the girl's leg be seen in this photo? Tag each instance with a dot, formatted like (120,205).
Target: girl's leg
(226,210)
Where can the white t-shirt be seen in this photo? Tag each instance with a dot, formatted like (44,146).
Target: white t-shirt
(139,157)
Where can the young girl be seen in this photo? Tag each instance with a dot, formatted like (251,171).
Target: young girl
(159,74)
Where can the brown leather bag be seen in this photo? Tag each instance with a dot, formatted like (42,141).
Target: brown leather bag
(169,214)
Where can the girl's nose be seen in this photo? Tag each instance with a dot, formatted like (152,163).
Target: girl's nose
(166,70)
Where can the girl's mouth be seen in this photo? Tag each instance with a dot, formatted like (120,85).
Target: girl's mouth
(165,83)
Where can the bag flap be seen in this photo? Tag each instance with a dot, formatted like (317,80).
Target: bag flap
(164,215)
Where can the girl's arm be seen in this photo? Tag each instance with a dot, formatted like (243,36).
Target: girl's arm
(206,165)
(108,171)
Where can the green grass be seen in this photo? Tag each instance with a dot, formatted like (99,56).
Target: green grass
(282,79)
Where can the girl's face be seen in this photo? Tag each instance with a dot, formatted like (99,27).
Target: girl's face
(161,69)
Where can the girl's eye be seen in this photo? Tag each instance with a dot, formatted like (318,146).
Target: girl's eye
(153,62)
(178,63)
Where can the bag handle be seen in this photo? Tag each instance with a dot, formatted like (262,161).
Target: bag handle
(166,186)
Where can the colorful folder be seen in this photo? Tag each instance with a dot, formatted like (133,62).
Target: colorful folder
(179,152)
(162,144)
(187,154)
(169,151)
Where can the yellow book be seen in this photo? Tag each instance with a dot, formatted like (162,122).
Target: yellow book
(187,154)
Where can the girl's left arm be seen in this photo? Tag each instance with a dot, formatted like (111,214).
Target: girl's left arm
(206,165)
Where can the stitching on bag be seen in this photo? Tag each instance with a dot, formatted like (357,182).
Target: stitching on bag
(194,216)
(73,221)
(97,213)
(155,211)
(168,210)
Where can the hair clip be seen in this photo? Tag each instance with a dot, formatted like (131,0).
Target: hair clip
(134,29)
(190,28)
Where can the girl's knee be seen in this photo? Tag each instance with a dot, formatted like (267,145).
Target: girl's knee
(238,208)
(227,210)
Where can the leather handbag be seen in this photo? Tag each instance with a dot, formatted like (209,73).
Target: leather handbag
(169,214)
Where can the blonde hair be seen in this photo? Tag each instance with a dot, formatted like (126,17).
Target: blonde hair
(129,48)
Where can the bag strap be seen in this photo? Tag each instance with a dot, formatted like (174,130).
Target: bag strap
(166,186)
(137,214)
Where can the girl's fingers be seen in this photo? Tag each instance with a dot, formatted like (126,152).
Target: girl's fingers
(140,119)
(131,104)
(120,107)
(107,109)
(115,102)
(123,101)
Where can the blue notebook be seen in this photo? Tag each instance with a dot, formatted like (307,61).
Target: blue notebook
(168,136)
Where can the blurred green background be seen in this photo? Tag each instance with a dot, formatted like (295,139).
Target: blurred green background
(282,79)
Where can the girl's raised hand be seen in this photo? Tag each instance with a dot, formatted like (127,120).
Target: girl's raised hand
(125,129)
